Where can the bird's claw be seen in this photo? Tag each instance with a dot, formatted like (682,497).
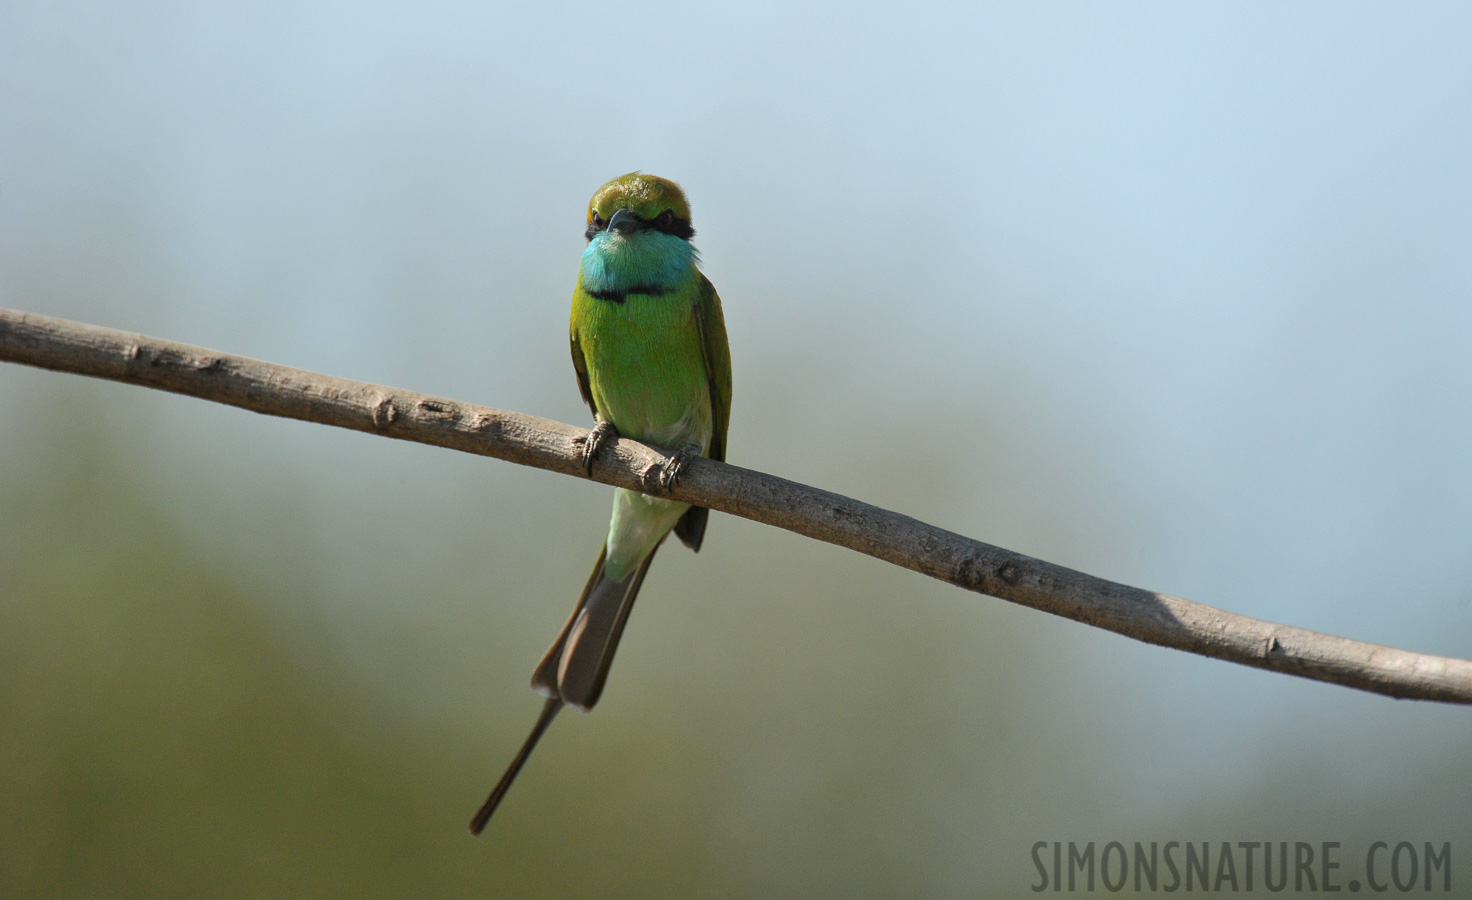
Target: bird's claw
(675,466)
(594,442)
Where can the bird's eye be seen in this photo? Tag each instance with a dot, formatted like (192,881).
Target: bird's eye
(666,218)
(596,220)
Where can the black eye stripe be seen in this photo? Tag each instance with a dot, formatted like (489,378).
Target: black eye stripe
(667,222)
(670,223)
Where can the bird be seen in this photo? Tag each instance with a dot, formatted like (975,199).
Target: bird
(649,347)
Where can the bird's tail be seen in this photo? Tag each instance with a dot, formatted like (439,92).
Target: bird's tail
(483,815)
(576,665)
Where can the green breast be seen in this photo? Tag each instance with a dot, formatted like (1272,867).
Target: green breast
(645,366)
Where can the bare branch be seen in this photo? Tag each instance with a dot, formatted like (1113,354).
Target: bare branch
(1144,615)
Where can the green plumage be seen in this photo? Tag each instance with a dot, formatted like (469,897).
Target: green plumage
(649,347)
(656,367)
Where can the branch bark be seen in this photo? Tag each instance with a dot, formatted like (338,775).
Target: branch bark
(262,387)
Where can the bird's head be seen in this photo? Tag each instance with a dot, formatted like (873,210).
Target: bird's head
(637,202)
(638,237)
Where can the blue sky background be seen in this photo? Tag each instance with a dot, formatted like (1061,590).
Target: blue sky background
(1176,294)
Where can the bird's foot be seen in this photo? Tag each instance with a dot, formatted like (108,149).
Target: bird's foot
(600,435)
(675,466)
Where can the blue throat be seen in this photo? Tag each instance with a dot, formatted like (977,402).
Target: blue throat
(646,262)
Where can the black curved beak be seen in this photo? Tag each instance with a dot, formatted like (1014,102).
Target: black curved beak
(626,222)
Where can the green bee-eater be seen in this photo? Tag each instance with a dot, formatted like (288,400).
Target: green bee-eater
(649,347)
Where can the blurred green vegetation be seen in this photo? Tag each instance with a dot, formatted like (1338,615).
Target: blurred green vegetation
(204,692)
(158,737)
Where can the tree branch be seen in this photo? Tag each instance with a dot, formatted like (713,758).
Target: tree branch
(1144,615)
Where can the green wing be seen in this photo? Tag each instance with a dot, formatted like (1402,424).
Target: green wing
(715,353)
(580,365)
